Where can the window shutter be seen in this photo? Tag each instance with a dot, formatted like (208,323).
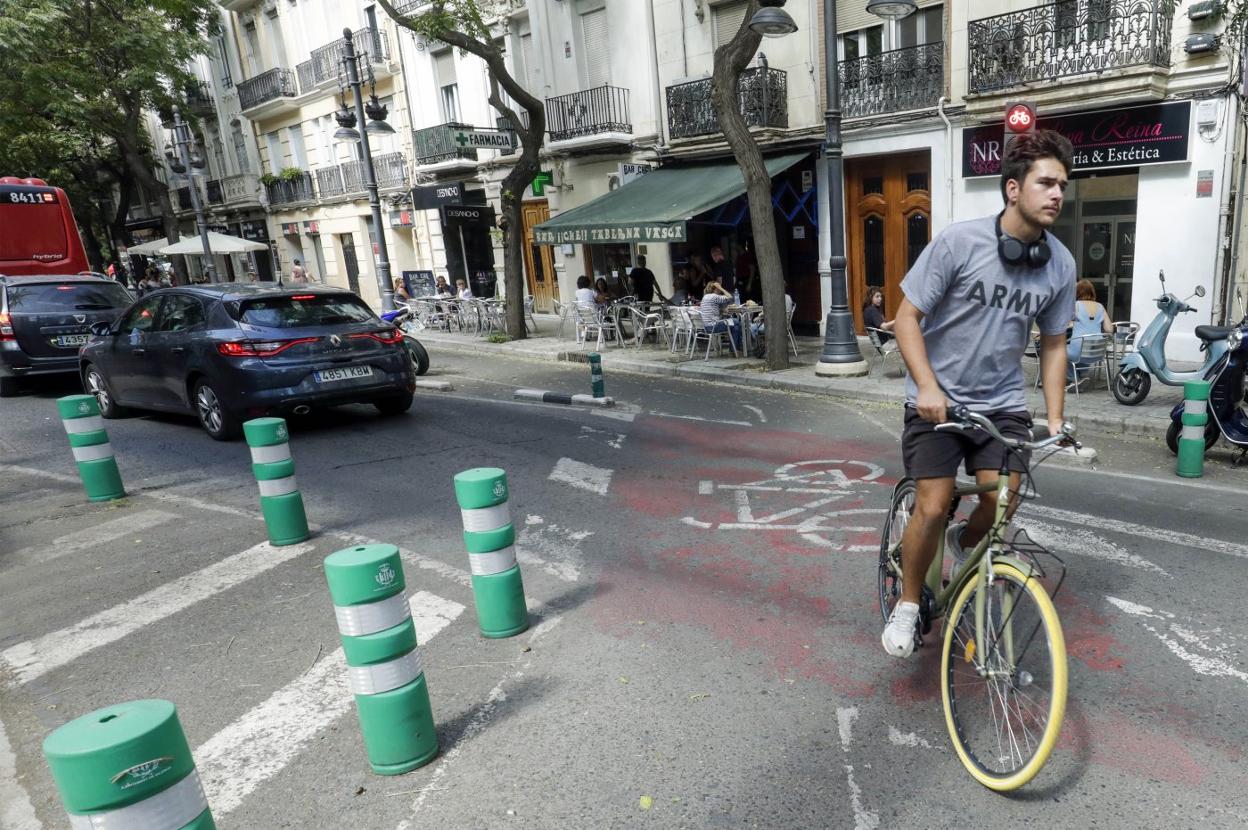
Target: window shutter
(727,19)
(597,52)
(444,67)
(526,57)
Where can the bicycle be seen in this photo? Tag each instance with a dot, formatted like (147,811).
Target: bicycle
(991,657)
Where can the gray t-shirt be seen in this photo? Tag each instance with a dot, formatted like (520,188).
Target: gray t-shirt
(978,313)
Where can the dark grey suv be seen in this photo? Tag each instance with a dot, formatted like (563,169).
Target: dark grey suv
(231,352)
(44,321)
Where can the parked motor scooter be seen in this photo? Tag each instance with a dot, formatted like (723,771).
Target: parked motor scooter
(402,319)
(1138,368)
(1227,418)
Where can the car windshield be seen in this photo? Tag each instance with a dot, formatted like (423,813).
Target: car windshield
(47,297)
(304,310)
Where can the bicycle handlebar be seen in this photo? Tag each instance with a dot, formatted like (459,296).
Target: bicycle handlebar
(964,418)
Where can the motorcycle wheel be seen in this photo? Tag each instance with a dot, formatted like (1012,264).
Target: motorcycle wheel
(1131,387)
(1212,434)
(420,357)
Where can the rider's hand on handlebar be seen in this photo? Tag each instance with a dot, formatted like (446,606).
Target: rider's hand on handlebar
(1055,428)
(932,405)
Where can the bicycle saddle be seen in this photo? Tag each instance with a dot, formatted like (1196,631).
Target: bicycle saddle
(1208,333)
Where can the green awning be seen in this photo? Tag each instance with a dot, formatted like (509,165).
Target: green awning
(654,207)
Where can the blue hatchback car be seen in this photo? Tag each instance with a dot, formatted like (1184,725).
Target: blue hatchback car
(230,352)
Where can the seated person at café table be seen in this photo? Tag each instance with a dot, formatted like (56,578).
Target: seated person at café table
(602,294)
(1090,320)
(714,301)
(585,296)
(465,293)
(442,290)
(873,314)
(760,327)
(680,291)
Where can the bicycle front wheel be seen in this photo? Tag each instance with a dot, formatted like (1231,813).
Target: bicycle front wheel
(889,576)
(1004,696)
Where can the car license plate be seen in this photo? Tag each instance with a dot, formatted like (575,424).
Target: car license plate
(66,340)
(347,373)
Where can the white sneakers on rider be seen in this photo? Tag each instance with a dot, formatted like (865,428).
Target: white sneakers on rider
(898,636)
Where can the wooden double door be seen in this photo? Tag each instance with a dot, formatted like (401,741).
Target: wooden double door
(539,260)
(888,222)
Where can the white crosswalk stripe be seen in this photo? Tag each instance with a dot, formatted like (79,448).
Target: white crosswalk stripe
(582,476)
(94,536)
(258,745)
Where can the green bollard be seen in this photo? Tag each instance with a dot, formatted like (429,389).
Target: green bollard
(1191,463)
(595,375)
(80,415)
(128,767)
(280,500)
(497,587)
(384,667)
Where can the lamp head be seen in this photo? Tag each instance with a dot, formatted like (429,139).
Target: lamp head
(772,20)
(891,9)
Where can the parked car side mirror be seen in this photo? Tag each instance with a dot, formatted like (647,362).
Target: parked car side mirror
(101,328)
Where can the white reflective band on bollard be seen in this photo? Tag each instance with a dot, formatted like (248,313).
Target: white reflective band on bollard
(358,620)
(383,677)
(1195,407)
(278,486)
(486,564)
(91,423)
(177,806)
(270,455)
(1192,433)
(93,453)
(486,518)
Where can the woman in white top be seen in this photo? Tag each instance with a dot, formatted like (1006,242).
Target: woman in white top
(584,294)
(465,293)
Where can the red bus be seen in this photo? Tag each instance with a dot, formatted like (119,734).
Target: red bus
(38,234)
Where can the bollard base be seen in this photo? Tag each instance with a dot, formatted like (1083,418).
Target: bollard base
(285,518)
(501,610)
(398,730)
(101,479)
(202,822)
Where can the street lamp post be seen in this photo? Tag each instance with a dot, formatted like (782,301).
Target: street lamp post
(377,124)
(186,161)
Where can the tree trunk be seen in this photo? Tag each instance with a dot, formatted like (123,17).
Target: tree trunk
(731,59)
(139,164)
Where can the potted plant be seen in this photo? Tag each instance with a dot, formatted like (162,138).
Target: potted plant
(291,174)
(268,179)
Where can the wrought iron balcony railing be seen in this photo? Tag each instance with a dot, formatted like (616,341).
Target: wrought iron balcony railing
(1069,37)
(389,168)
(216,196)
(434,144)
(903,79)
(291,191)
(327,59)
(603,109)
(265,87)
(329,182)
(762,93)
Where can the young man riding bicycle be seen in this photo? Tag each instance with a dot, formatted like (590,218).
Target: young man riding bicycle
(966,318)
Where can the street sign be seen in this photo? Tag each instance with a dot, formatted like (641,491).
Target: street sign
(468,214)
(431,197)
(1020,119)
(483,139)
(630,171)
(541,181)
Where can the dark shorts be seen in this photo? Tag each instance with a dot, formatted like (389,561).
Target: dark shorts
(929,453)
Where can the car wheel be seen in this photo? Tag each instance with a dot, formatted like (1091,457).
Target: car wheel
(420,357)
(396,405)
(8,387)
(214,416)
(93,382)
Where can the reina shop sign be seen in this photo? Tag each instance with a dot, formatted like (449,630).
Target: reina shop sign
(1103,140)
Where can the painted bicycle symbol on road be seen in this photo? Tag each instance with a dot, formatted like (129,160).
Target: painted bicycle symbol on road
(829,495)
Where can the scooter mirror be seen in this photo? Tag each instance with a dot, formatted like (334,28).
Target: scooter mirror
(1200,291)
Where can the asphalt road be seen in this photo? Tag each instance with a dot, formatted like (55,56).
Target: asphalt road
(702,654)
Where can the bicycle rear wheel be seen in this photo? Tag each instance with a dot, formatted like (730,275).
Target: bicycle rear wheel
(1004,698)
(890,545)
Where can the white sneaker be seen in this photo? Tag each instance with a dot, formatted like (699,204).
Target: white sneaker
(953,544)
(898,636)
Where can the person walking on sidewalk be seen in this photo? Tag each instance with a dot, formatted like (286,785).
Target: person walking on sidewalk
(645,286)
(969,304)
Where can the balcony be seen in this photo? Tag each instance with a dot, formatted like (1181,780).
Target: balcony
(326,61)
(291,191)
(241,190)
(1070,37)
(762,93)
(237,5)
(199,99)
(503,123)
(903,79)
(216,196)
(268,94)
(436,148)
(346,180)
(491,10)
(590,118)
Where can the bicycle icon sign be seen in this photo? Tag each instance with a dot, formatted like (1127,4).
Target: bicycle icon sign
(815,485)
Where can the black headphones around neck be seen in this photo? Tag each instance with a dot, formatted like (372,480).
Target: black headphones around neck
(1017,252)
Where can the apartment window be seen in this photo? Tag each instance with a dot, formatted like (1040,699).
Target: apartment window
(924,26)
(252,42)
(726,18)
(223,57)
(240,148)
(595,49)
(862,43)
(526,57)
(277,157)
(448,87)
(1066,21)
(298,150)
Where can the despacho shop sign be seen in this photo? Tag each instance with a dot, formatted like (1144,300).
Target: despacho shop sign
(654,232)
(1103,140)
(433,196)
(468,214)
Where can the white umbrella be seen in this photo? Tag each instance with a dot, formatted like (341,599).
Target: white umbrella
(218,243)
(149,248)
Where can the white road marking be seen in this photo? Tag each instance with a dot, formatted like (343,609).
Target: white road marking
(1063,540)
(706,487)
(16,811)
(257,746)
(762,419)
(700,418)
(615,441)
(899,738)
(48,474)
(552,548)
(36,657)
(582,476)
(619,416)
(864,819)
(96,535)
(1177,482)
(1214,663)
(1152,534)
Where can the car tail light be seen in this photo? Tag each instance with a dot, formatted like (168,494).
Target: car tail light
(304,297)
(388,337)
(259,348)
(6,327)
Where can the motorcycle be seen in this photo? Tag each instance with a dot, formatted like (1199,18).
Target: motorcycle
(403,320)
(1138,368)
(1227,418)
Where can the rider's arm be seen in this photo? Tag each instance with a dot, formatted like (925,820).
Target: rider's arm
(1053,373)
(931,403)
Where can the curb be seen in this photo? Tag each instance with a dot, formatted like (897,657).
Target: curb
(439,385)
(560,397)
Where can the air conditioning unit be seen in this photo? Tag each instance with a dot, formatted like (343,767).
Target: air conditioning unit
(613,181)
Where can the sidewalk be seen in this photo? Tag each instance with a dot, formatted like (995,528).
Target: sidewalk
(1093,410)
